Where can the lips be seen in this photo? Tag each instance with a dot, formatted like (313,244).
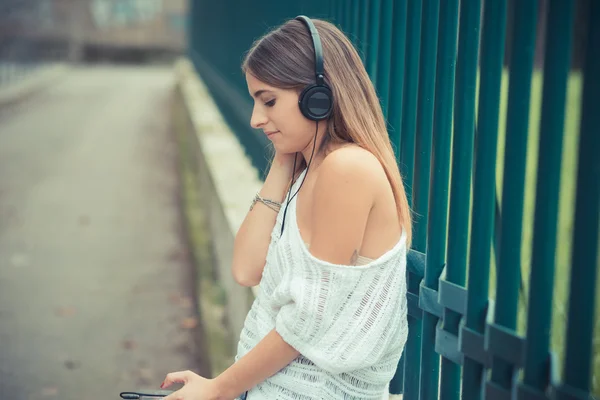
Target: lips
(270,133)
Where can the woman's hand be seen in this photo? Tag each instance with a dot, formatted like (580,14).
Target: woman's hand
(195,387)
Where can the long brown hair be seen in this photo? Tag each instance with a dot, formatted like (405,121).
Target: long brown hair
(284,58)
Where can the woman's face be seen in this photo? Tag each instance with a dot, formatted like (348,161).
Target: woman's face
(276,112)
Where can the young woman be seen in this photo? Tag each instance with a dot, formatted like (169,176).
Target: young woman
(325,238)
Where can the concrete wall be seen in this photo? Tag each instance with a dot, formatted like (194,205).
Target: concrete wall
(228,182)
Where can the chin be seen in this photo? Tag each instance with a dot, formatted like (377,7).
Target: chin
(283,149)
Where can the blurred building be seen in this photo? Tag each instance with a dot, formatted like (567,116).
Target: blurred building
(80,29)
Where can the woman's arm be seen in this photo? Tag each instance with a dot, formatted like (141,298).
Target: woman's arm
(267,358)
(254,236)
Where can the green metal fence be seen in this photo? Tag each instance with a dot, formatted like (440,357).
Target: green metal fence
(492,109)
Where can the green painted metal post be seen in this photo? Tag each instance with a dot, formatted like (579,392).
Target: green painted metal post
(397,75)
(509,267)
(383,83)
(355,22)
(385,54)
(348,12)
(484,190)
(364,29)
(344,15)
(407,379)
(191,27)
(373,39)
(584,256)
(420,193)
(462,161)
(424,96)
(411,81)
(438,204)
(556,73)
(397,382)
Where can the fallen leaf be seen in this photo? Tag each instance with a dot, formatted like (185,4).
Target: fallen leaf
(49,391)
(189,323)
(145,373)
(145,376)
(186,302)
(65,311)
(176,255)
(72,364)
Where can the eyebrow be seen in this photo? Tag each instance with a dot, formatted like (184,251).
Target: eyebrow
(259,92)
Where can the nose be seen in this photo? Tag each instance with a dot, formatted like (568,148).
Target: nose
(258,118)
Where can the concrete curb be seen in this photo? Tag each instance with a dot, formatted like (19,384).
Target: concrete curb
(39,80)
(228,182)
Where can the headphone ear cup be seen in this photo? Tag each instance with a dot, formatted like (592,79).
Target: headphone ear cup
(316,102)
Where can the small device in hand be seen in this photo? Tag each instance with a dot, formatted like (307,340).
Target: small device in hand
(145,394)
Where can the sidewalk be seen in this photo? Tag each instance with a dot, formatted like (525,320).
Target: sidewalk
(97,290)
(35,81)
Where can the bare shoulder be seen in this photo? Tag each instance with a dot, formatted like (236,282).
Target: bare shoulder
(351,165)
(347,189)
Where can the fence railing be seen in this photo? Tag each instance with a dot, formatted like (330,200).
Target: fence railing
(492,110)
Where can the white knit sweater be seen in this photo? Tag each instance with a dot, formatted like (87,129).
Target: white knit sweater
(348,322)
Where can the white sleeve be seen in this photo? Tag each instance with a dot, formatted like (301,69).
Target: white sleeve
(344,318)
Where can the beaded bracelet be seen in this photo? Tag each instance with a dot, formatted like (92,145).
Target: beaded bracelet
(273,205)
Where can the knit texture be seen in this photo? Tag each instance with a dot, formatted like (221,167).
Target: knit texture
(348,322)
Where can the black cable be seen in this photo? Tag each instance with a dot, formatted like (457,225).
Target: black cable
(303,179)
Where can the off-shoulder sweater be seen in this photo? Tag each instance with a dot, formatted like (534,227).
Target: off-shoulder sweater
(347,322)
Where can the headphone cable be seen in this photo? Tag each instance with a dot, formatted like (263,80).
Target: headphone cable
(303,179)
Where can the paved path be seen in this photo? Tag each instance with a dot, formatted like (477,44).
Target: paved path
(95,282)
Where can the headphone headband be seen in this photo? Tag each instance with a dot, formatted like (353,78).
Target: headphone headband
(319,72)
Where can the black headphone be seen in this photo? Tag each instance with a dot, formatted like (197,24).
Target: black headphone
(316,100)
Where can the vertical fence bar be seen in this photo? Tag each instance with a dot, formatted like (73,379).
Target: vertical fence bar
(397,75)
(383,82)
(484,187)
(556,72)
(426,84)
(190,28)
(509,266)
(406,379)
(411,81)
(373,40)
(397,382)
(448,20)
(348,12)
(196,29)
(340,12)
(364,29)
(584,256)
(462,161)
(385,54)
(424,132)
(438,204)
(345,19)
(355,22)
